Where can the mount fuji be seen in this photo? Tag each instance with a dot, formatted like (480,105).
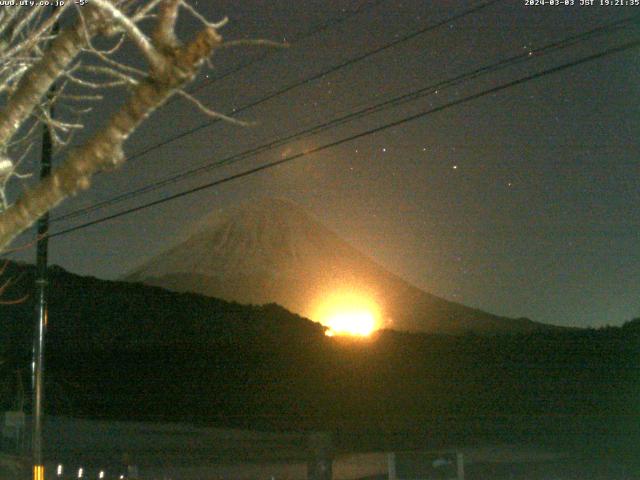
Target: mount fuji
(275,252)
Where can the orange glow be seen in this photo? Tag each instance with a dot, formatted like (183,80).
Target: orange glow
(348,314)
(351,322)
(38,472)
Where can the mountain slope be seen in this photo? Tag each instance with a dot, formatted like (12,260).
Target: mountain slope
(127,351)
(275,252)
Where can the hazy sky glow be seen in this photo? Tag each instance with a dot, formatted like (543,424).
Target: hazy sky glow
(521,203)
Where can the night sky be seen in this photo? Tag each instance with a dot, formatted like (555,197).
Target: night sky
(522,202)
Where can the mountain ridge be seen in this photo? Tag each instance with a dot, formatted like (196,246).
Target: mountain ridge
(119,350)
(274,251)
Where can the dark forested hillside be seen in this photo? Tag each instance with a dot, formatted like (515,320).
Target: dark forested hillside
(120,350)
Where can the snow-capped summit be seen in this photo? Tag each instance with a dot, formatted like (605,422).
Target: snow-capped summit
(272,251)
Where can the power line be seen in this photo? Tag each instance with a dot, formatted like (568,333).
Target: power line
(314,31)
(394,102)
(317,76)
(268,165)
(305,81)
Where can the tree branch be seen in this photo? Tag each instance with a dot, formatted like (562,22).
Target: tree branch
(104,150)
(135,34)
(36,82)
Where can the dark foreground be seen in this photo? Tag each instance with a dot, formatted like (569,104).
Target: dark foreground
(122,352)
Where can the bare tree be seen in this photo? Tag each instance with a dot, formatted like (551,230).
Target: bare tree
(34,56)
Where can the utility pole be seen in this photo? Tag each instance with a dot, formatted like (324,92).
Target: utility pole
(41,316)
(41,300)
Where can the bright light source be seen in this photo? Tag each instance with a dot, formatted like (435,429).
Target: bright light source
(80,472)
(348,314)
(101,474)
(59,470)
(352,322)
(38,472)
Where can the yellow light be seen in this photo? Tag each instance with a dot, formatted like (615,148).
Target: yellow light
(38,472)
(351,322)
(348,314)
